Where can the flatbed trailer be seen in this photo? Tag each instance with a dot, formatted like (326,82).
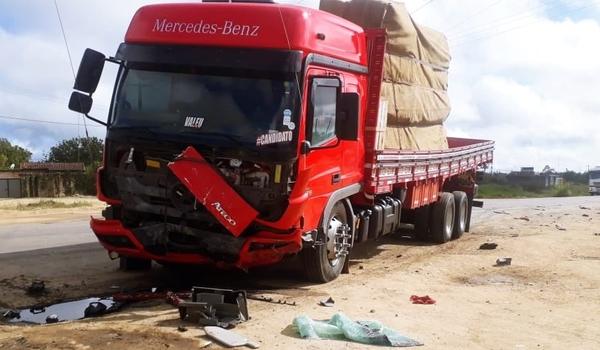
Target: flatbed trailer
(193,190)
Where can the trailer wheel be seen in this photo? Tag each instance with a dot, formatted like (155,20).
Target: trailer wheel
(127,263)
(461,208)
(422,223)
(322,262)
(442,218)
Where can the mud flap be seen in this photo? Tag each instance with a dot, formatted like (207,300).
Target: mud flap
(213,191)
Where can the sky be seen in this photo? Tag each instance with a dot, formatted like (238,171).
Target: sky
(524,73)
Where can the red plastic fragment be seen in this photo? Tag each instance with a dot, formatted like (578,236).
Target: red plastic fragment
(422,300)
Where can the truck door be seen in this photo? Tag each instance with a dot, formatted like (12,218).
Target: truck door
(326,155)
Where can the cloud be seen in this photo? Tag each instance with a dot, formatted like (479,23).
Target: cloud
(524,72)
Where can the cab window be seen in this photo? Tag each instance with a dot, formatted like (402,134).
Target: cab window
(322,123)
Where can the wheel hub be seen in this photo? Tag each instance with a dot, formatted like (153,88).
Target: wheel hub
(338,240)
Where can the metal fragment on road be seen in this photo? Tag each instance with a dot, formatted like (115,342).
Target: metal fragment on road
(327,303)
(503,261)
(271,300)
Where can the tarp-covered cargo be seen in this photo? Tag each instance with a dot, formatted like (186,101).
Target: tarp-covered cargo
(415,78)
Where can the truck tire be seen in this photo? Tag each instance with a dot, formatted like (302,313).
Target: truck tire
(422,223)
(442,218)
(461,213)
(320,262)
(127,263)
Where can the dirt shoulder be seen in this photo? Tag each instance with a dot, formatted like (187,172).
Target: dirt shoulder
(544,300)
(47,210)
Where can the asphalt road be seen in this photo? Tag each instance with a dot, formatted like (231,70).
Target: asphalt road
(22,237)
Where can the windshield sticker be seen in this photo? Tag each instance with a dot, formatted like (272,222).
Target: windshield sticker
(274,137)
(193,122)
(287,119)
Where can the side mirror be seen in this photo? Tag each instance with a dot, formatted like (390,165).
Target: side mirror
(89,72)
(304,147)
(80,102)
(347,116)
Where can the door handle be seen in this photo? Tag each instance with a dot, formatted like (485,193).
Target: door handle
(335,178)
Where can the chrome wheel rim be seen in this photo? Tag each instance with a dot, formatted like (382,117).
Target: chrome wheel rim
(332,254)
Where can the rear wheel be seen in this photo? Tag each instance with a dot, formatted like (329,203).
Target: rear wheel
(461,206)
(325,262)
(442,218)
(127,263)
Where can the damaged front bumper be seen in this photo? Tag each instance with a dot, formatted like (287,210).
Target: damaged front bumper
(262,248)
(242,240)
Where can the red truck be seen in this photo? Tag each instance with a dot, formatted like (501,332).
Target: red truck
(241,133)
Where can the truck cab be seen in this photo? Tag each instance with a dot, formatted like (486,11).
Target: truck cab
(263,107)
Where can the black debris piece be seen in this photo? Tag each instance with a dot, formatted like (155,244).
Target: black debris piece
(488,246)
(36,287)
(52,318)
(10,314)
(95,309)
(503,261)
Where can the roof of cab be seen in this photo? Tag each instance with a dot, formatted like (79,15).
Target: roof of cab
(249,25)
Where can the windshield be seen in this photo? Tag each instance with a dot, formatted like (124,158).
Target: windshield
(595,174)
(235,110)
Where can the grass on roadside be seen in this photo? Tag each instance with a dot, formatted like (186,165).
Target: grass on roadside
(495,190)
(50,204)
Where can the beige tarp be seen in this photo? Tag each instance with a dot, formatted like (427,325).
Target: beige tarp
(417,137)
(415,72)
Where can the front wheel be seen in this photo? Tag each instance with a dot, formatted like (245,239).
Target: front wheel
(324,262)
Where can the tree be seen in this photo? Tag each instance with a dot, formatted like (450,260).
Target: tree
(12,154)
(87,150)
(574,177)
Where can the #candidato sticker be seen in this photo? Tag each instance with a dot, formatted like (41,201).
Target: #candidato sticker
(274,137)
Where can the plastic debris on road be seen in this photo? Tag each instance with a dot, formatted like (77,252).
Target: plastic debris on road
(229,338)
(341,327)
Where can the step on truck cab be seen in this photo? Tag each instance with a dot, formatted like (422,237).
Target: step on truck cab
(238,134)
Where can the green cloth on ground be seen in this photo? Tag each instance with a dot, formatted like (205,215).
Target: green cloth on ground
(341,327)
